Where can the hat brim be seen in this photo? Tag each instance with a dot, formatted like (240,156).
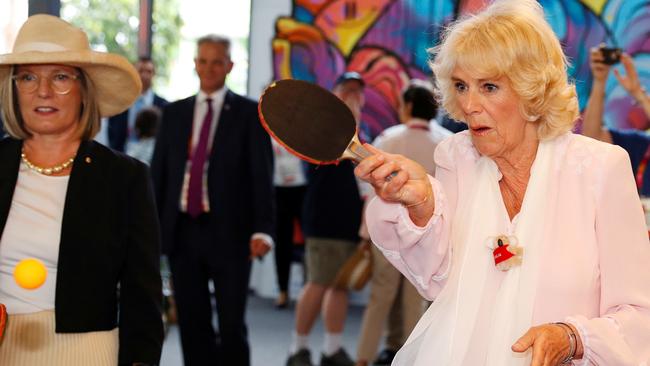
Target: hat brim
(115,79)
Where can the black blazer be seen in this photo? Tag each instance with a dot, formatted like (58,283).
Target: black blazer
(240,174)
(118,125)
(109,236)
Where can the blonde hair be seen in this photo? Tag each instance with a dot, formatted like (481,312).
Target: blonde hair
(14,125)
(510,39)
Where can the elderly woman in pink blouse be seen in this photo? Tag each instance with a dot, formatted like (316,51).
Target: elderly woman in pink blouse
(530,239)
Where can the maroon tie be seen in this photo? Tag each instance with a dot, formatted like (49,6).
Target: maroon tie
(195,188)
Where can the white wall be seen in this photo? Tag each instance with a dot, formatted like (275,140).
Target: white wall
(12,17)
(263,16)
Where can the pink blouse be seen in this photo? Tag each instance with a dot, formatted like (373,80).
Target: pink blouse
(595,270)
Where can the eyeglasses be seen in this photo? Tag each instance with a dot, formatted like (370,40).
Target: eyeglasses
(61,82)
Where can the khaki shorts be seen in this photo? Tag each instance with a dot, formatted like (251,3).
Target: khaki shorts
(324,258)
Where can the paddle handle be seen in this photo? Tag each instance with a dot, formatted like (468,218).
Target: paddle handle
(356,152)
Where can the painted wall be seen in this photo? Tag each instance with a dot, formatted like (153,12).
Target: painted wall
(386,40)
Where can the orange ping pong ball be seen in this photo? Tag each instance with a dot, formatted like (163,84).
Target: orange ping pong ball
(30,273)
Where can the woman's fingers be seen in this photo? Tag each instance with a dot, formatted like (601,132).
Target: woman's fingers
(368,165)
(549,344)
(385,171)
(392,189)
(524,342)
(628,64)
(377,167)
(394,177)
(372,149)
(596,55)
(618,76)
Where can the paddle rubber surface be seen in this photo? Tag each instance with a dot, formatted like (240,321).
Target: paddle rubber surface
(309,121)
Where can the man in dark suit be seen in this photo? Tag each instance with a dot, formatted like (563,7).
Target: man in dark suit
(212,171)
(121,127)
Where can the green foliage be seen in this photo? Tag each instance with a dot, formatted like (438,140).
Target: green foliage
(113,26)
(166,30)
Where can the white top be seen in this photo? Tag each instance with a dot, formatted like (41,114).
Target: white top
(33,230)
(438,132)
(288,170)
(416,139)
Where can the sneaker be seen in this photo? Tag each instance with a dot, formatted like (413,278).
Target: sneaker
(300,358)
(340,358)
(385,358)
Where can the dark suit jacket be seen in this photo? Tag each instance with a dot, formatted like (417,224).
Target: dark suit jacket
(109,235)
(240,173)
(118,125)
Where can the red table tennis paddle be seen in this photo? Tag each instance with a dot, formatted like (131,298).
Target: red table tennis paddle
(310,122)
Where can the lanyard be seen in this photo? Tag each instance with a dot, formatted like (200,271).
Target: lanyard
(419,127)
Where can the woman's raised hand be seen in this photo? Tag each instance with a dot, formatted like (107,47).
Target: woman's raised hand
(400,180)
(630,80)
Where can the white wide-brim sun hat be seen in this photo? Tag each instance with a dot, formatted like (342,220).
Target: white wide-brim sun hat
(46,39)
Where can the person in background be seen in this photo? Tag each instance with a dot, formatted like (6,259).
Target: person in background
(392,297)
(636,143)
(290,183)
(331,219)
(146,124)
(121,128)
(80,208)
(212,171)
(531,239)
(449,124)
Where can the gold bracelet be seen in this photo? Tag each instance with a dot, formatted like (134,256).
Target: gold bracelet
(426,198)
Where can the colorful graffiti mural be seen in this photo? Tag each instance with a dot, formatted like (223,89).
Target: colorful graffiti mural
(387,41)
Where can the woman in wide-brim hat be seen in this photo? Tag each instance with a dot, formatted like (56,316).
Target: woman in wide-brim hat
(84,211)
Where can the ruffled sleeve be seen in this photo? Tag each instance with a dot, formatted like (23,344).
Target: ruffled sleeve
(422,254)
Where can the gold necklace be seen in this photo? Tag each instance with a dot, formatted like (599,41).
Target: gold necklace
(46,171)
